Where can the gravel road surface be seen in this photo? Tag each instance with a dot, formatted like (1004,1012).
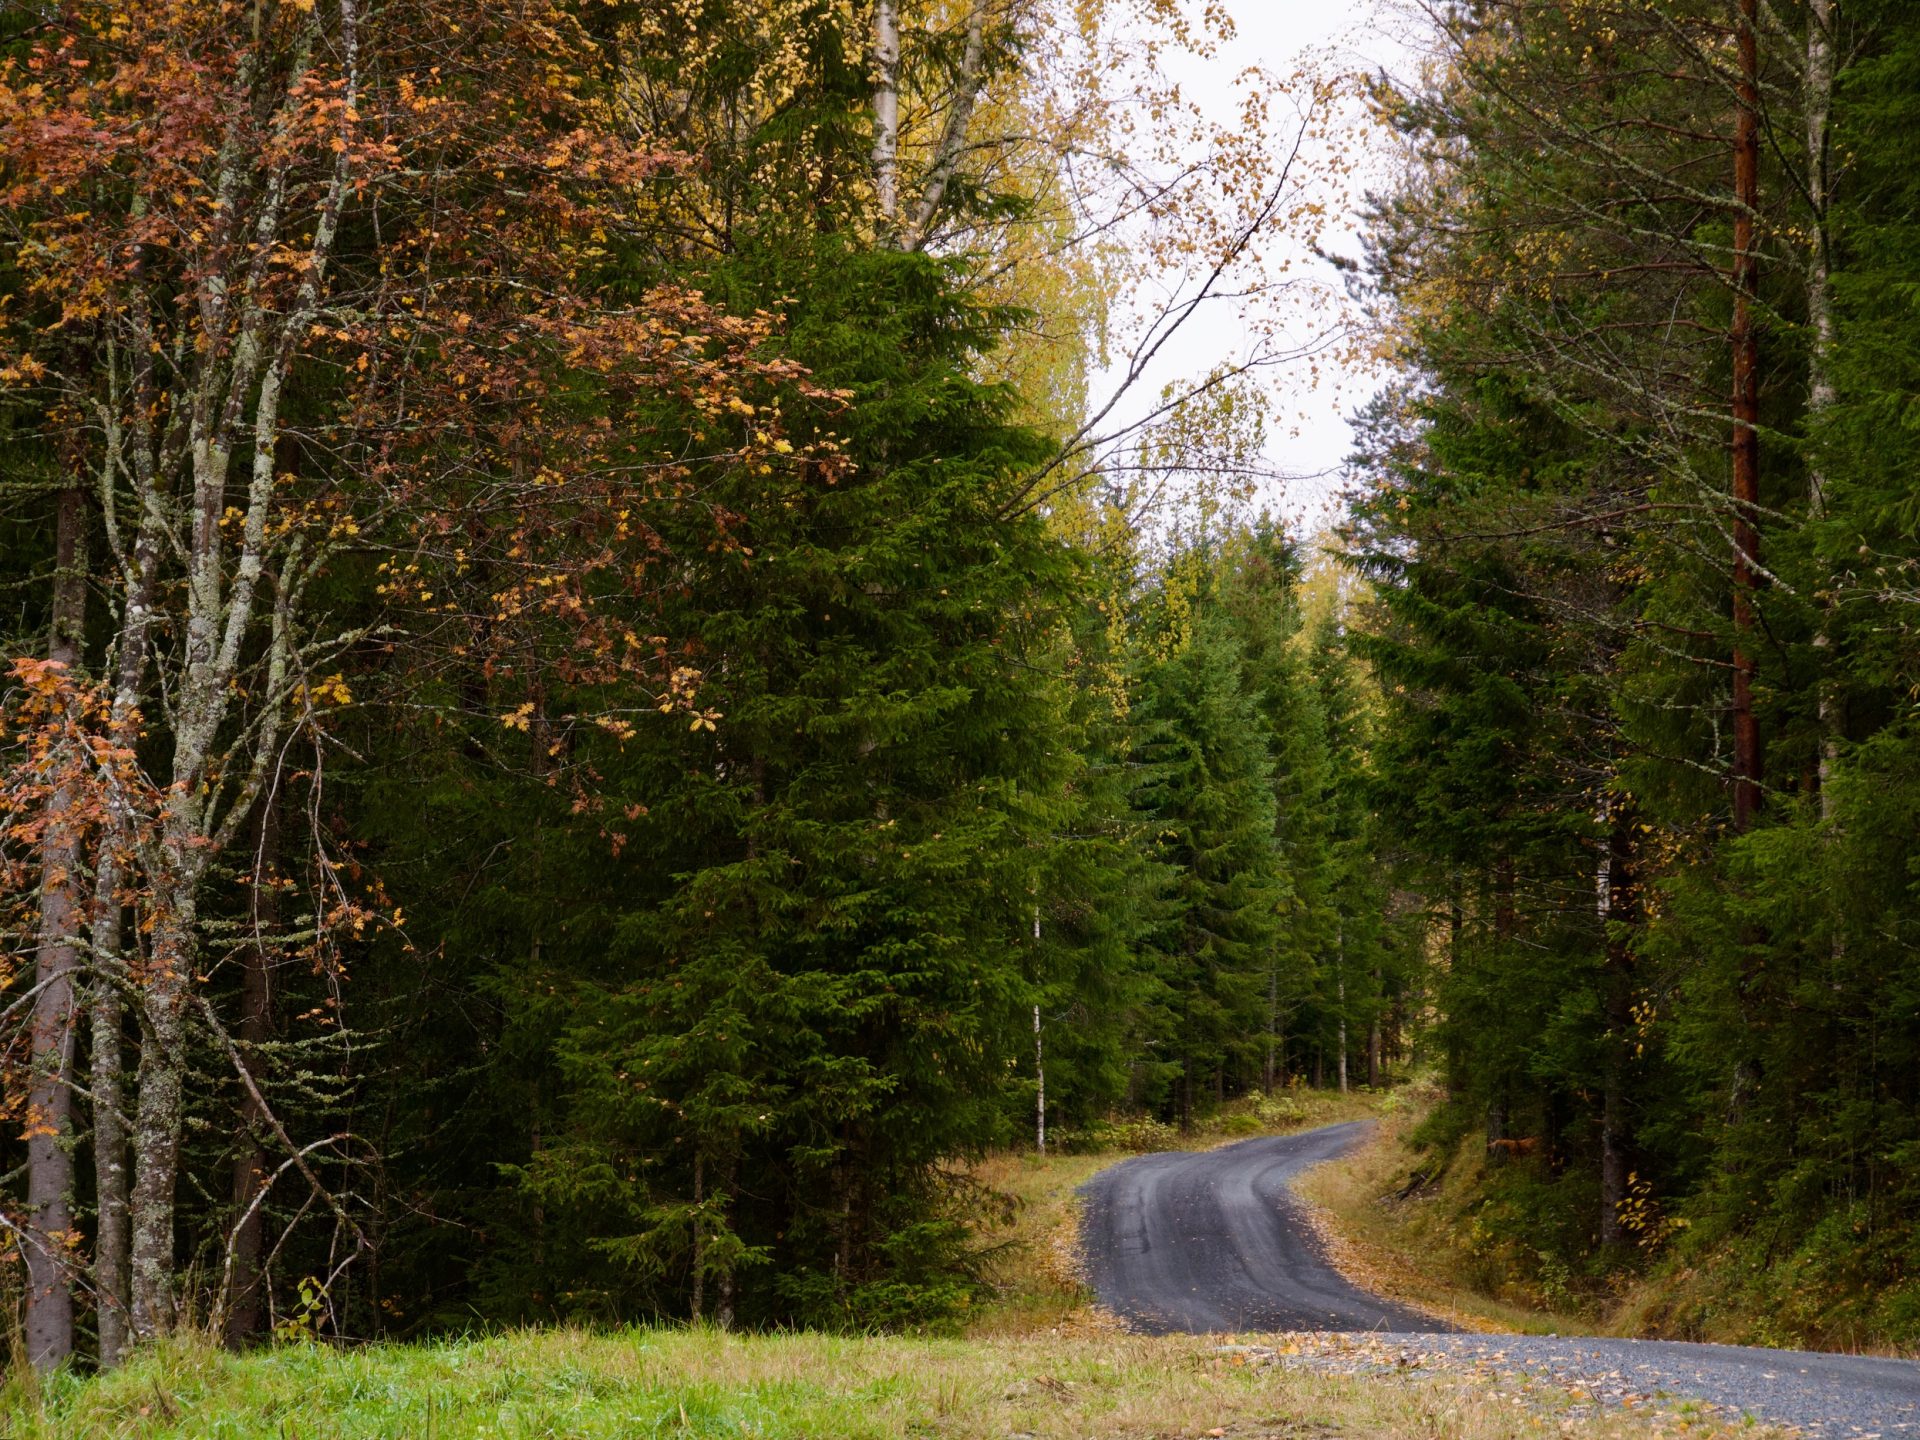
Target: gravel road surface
(1216,1242)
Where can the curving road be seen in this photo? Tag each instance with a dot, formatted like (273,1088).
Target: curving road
(1215,1241)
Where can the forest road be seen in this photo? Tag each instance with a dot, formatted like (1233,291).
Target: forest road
(1215,1241)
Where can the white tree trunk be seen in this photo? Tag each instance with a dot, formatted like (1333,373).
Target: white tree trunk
(886,108)
(1340,980)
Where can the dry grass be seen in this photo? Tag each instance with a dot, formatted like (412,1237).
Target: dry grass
(646,1383)
(1407,1246)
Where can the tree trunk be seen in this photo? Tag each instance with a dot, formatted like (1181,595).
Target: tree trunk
(1820,392)
(49,1241)
(1373,1037)
(112,1251)
(1039,1061)
(696,1308)
(1040,1084)
(1273,1026)
(1746,422)
(246,1307)
(107,1085)
(1340,977)
(729,1191)
(156,1129)
(886,109)
(1616,1136)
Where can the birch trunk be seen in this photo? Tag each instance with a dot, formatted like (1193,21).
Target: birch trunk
(1039,1063)
(1340,979)
(886,108)
(48,1323)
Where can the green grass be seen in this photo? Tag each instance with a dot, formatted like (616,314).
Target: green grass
(695,1385)
(1039,1362)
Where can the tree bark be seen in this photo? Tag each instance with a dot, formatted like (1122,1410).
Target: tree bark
(1273,1025)
(696,1309)
(157,1119)
(49,1241)
(953,136)
(112,1249)
(1616,1135)
(1340,976)
(1820,391)
(246,1308)
(1373,1037)
(107,1085)
(1039,1060)
(1746,422)
(886,108)
(725,1283)
(1040,1084)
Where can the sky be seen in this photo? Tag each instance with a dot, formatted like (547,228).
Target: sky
(1310,435)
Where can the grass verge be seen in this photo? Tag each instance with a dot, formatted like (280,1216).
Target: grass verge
(1419,1243)
(693,1385)
(1404,1241)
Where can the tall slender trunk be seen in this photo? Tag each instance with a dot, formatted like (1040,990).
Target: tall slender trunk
(113,1242)
(107,1091)
(246,1298)
(725,1282)
(1340,978)
(1039,1061)
(1039,1085)
(49,1243)
(1820,390)
(886,108)
(697,1304)
(1746,422)
(1373,1036)
(158,1112)
(1617,911)
(1273,1026)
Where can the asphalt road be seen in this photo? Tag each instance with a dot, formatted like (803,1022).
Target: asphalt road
(1215,1241)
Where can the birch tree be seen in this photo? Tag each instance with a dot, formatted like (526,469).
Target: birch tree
(297,281)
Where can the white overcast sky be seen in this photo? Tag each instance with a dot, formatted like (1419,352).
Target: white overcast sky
(1311,435)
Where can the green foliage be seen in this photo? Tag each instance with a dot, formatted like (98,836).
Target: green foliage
(1675,1035)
